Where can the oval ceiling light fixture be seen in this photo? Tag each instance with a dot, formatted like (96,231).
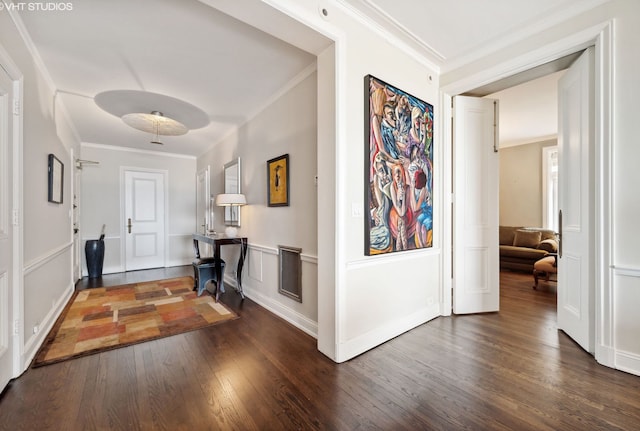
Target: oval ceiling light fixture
(156,123)
(152,112)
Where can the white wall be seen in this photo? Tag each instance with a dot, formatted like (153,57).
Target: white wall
(529,111)
(377,297)
(101,201)
(619,274)
(46,227)
(521,184)
(326,194)
(286,126)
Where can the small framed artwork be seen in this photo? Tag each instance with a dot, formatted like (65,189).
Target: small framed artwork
(278,181)
(56,175)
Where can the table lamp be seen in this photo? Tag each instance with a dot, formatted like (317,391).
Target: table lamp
(231,200)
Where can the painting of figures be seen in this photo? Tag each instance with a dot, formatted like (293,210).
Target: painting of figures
(399,170)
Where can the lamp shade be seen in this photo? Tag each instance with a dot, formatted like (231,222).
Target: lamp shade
(230,199)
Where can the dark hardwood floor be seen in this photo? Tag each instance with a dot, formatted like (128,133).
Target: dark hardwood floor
(511,370)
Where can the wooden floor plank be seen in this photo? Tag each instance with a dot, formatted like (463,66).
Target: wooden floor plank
(511,370)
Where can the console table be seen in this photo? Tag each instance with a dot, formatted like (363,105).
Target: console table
(217,242)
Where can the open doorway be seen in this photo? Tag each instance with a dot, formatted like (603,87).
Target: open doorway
(476,155)
(528,191)
(576,196)
(596,177)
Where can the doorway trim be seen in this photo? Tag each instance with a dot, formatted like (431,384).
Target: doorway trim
(600,36)
(17,205)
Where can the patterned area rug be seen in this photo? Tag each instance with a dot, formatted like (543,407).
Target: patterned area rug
(106,318)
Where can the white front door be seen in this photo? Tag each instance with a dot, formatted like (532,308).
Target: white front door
(144,220)
(476,282)
(6,228)
(575,157)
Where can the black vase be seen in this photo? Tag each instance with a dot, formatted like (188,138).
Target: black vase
(94,251)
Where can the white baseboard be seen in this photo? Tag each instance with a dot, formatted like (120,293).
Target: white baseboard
(296,319)
(628,362)
(33,343)
(606,356)
(178,262)
(380,335)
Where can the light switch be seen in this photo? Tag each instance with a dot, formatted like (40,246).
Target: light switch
(356,209)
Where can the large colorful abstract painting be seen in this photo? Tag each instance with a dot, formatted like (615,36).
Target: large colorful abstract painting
(399,170)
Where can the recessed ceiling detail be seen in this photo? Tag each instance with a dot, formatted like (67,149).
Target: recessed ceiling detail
(229,68)
(152,112)
(155,122)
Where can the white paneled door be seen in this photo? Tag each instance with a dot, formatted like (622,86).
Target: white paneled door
(476,283)
(575,157)
(144,219)
(6,230)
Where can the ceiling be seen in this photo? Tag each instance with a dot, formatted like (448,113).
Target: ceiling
(529,111)
(457,31)
(183,49)
(192,51)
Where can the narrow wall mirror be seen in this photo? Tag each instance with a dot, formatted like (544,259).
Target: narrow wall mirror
(204,222)
(232,180)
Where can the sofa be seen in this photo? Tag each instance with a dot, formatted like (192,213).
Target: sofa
(521,247)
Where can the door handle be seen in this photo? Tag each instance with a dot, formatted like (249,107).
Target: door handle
(129,224)
(560,233)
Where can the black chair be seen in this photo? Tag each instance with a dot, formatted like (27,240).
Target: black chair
(204,270)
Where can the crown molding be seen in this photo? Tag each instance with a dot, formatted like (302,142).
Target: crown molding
(31,47)
(301,76)
(518,34)
(40,66)
(386,27)
(136,150)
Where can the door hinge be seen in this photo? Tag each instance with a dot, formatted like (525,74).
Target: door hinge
(16,107)
(16,326)
(15,216)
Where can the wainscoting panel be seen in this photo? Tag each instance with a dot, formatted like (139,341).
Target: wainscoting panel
(626,287)
(260,284)
(48,285)
(179,250)
(46,258)
(255,263)
(5,324)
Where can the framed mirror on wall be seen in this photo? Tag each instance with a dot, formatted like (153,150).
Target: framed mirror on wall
(232,180)
(203,201)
